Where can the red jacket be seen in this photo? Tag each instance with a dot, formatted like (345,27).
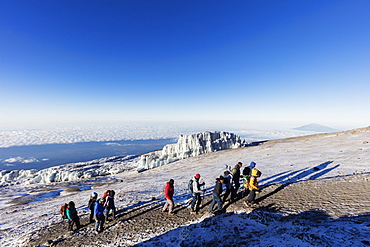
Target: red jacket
(168,191)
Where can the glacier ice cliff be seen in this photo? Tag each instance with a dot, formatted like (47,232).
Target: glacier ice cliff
(190,146)
(187,146)
(70,172)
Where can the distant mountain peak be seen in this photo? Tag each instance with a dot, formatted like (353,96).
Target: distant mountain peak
(316,128)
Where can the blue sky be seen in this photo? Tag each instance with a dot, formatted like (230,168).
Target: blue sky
(63,61)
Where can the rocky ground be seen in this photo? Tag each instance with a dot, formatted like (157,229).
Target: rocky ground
(313,202)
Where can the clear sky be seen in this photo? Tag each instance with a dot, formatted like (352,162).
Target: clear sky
(175,60)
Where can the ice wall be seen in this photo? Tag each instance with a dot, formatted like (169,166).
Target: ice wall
(70,172)
(190,146)
(187,146)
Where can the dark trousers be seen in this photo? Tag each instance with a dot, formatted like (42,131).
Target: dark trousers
(71,223)
(216,198)
(227,193)
(251,197)
(91,216)
(195,203)
(107,210)
(99,224)
(234,192)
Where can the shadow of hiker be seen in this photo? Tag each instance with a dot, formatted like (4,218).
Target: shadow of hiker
(281,178)
(299,176)
(281,187)
(322,173)
(310,171)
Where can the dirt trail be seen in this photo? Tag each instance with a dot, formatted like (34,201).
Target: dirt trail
(337,197)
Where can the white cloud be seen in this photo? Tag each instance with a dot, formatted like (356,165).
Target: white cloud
(20,160)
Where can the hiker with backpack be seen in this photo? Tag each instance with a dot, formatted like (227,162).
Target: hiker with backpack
(247,171)
(236,176)
(228,181)
(109,205)
(71,213)
(168,193)
(91,205)
(63,211)
(216,194)
(195,190)
(99,215)
(252,186)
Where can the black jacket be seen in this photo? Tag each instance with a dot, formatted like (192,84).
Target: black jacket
(218,187)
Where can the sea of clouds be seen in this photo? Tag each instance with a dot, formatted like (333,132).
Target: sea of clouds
(77,133)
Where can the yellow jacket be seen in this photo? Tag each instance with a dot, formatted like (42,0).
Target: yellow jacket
(252,184)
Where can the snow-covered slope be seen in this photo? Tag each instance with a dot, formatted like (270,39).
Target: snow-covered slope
(282,161)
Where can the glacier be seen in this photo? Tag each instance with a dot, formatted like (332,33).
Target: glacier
(186,146)
(190,146)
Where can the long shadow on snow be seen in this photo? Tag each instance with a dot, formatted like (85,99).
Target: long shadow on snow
(284,178)
(292,176)
(312,227)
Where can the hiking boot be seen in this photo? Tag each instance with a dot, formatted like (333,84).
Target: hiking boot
(171,213)
(193,212)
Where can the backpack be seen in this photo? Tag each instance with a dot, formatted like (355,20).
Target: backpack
(106,193)
(256,173)
(190,186)
(246,171)
(63,211)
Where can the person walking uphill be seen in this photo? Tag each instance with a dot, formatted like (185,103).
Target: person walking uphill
(99,215)
(236,176)
(71,213)
(91,205)
(196,191)
(109,205)
(252,186)
(228,185)
(168,193)
(216,194)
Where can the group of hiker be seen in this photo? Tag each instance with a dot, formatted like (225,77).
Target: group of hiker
(230,179)
(99,211)
(101,208)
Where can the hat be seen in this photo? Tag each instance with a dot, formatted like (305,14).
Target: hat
(253,164)
(197,176)
(222,178)
(94,194)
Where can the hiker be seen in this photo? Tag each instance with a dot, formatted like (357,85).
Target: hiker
(168,193)
(228,181)
(91,205)
(216,194)
(63,211)
(71,213)
(196,191)
(109,205)
(99,215)
(247,171)
(252,186)
(236,176)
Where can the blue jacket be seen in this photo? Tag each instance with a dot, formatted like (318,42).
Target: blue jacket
(98,210)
